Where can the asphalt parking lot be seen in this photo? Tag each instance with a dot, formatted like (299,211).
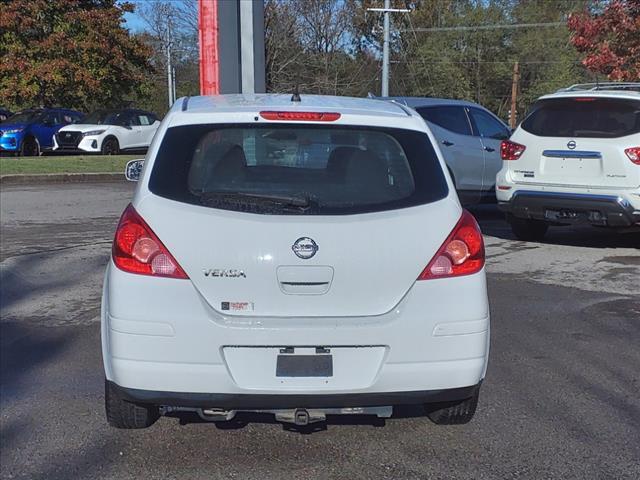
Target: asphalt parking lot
(561,399)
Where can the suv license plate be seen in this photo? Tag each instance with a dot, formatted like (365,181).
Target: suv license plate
(304,366)
(565,215)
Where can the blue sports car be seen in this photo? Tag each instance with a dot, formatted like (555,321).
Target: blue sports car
(30,132)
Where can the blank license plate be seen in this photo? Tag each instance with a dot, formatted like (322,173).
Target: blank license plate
(304,366)
(565,215)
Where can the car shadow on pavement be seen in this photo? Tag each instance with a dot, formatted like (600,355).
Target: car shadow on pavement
(23,278)
(26,340)
(22,349)
(493,224)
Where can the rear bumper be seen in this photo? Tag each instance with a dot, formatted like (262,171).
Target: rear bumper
(604,210)
(186,346)
(285,401)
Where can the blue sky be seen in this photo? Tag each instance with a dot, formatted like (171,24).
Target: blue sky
(133,21)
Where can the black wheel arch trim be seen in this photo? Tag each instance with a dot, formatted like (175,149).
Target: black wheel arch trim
(111,136)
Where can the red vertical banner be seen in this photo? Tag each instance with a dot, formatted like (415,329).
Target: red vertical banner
(209,60)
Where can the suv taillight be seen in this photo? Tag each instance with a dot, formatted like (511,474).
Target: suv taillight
(511,150)
(634,154)
(136,249)
(462,253)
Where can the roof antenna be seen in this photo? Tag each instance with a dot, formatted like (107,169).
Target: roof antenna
(296,95)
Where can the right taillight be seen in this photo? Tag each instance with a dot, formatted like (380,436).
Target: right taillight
(511,150)
(462,253)
(136,249)
(634,154)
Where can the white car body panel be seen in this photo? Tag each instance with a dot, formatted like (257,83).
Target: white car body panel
(387,331)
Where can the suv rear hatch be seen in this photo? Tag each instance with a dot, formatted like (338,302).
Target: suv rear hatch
(579,142)
(299,220)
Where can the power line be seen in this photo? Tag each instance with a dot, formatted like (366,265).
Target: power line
(485,27)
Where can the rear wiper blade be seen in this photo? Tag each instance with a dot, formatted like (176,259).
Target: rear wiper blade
(292,200)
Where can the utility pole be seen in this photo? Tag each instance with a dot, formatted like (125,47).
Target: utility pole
(385,43)
(169,66)
(173,84)
(385,51)
(513,115)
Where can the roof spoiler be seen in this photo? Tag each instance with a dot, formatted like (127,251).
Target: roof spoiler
(592,87)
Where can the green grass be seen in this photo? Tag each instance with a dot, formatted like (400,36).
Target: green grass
(65,164)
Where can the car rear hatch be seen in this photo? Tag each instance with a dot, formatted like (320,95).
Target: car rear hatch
(579,142)
(299,220)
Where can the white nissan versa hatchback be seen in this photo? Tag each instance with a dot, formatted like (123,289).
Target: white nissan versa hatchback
(574,159)
(297,256)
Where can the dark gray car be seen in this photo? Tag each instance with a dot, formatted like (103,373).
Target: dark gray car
(469,136)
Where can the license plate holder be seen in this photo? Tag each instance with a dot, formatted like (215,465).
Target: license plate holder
(304,366)
(565,215)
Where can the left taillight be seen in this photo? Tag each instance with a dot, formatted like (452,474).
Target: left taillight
(136,249)
(511,150)
(462,253)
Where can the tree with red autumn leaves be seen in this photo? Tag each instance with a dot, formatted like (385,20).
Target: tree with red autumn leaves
(610,39)
(72,53)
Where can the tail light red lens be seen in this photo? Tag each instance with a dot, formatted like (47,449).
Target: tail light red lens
(301,116)
(462,253)
(633,154)
(511,150)
(136,249)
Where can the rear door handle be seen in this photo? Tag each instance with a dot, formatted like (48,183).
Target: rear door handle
(489,149)
(447,143)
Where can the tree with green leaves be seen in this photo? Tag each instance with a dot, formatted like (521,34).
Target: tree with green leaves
(72,53)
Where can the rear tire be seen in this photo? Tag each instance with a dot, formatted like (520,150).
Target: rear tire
(453,413)
(124,414)
(110,146)
(527,229)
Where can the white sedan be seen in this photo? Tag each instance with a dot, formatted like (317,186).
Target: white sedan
(108,132)
(303,257)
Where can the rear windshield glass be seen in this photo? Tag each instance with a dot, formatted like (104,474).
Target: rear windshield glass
(295,169)
(584,117)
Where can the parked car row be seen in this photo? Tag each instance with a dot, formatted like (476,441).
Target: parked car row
(287,181)
(35,131)
(574,159)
